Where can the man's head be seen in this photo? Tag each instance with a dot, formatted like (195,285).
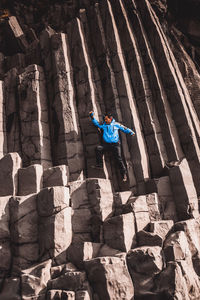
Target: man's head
(108,119)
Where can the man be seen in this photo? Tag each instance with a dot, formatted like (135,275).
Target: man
(111,141)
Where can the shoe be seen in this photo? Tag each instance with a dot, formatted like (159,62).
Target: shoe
(97,167)
(124,178)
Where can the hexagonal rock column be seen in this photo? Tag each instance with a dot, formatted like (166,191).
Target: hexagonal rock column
(56,176)
(34,117)
(184,192)
(55,226)
(5,250)
(81,220)
(101,199)
(100,195)
(9,166)
(67,143)
(180,101)
(119,232)
(12,112)
(162,187)
(143,264)
(109,278)
(30,180)
(3,138)
(24,232)
(138,205)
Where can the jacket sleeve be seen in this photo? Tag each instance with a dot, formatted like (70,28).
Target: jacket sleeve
(96,123)
(126,129)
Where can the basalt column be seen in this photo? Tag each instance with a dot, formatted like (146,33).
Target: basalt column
(182,108)
(67,144)
(34,135)
(12,111)
(108,80)
(87,90)
(3,139)
(127,104)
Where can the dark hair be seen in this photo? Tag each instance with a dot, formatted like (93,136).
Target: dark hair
(109,115)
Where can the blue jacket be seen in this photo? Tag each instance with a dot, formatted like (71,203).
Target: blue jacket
(110,132)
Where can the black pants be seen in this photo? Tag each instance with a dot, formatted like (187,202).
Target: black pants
(115,149)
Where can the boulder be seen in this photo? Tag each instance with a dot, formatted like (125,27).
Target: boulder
(178,279)
(144,264)
(176,247)
(109,278)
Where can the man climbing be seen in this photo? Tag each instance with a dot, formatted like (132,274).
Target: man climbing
(111,141)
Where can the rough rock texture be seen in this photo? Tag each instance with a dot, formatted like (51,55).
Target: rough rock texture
(70,231)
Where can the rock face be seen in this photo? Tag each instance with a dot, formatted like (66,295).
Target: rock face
(67,230)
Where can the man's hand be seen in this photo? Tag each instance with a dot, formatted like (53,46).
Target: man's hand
(91,114)
(133,134)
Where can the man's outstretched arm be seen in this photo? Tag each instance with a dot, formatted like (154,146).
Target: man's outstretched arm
(126,129)
(94,121)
